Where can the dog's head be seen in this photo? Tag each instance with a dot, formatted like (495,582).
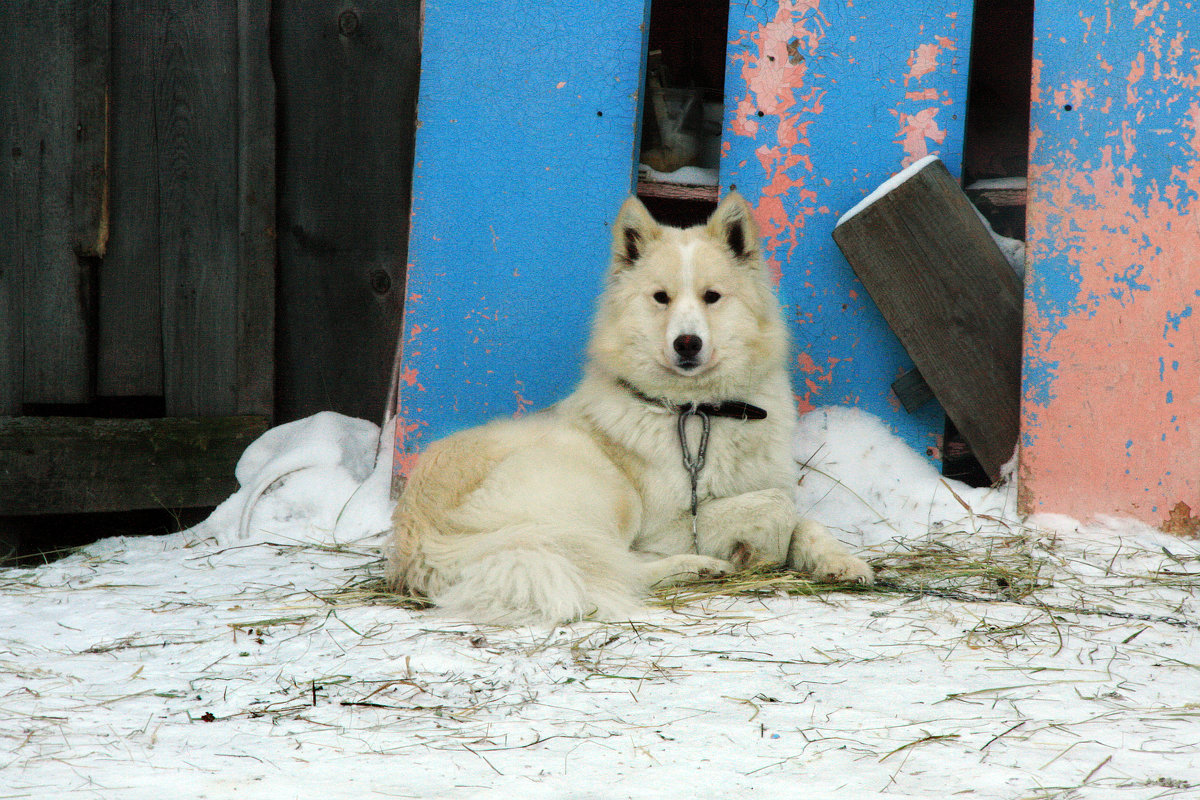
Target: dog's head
(688,313)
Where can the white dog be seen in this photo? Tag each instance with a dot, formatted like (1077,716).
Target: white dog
(670,460)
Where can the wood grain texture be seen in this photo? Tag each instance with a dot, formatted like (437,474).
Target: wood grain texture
(89,171)
(169,293)
(951,298)
(195,107)
(129,313)
(47,290)
(256,211)
(57,465)
(346,83)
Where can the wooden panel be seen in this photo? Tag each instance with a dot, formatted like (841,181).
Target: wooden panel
(1109,411)
(60,465)
(526,148)
(195,108)
(45,357)
(347,81)
(89,178)
(824,101)
(952,299)
(130,358)
(256,211)
(175,222)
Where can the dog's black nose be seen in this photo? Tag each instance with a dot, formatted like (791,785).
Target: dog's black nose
(688,346)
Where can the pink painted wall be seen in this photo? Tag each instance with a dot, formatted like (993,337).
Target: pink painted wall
(1111,398)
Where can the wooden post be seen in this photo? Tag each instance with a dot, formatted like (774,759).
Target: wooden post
(89,171)
(129,314)
(256,262)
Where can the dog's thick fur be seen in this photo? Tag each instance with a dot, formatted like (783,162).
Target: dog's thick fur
(578,510)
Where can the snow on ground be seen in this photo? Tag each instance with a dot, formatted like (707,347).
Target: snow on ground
(997,660)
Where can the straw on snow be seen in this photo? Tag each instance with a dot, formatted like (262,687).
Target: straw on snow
(1056,639)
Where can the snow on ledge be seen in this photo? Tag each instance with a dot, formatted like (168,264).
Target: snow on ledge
(888,185)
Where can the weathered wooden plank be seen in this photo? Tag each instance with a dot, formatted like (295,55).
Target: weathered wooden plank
(196,111)
(12,323)
(57,465)
(951,298)
(824,101)
(89,178)
(256,211)
(1109,412)
(129,313)
(347,79)
(49,362)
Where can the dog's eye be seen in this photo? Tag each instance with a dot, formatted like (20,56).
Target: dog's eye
(711,297)
(661,297)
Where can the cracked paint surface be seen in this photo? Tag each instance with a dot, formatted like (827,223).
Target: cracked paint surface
(826,99)
(1111,396)
(523,158)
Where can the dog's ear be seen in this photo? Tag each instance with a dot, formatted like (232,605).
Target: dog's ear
(732,224)
(633,231)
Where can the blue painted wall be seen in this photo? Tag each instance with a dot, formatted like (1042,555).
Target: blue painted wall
(824,101)
(526,147)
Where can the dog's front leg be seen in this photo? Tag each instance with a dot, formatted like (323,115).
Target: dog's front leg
(751,528)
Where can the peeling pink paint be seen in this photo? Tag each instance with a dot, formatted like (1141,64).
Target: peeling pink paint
(924,94)
(923,61)
(403,459)
(1111,405)
(774,70)
(916,129)
(521,403)
(814,376)
(808,84)
(1143,12)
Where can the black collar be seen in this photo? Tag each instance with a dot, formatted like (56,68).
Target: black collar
(733,409)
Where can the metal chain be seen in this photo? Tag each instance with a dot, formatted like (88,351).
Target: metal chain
(693,464)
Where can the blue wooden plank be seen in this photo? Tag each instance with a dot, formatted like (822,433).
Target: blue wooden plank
(1110,374)
(824,101)
(528,120)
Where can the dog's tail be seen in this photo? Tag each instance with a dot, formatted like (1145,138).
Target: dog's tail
(524,573)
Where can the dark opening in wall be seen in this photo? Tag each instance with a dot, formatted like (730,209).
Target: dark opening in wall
(683,109)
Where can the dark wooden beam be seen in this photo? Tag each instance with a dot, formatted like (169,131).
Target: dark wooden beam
(63,465)
(951,298)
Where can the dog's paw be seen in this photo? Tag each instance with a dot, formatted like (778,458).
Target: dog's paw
(698,566)
(844,568)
